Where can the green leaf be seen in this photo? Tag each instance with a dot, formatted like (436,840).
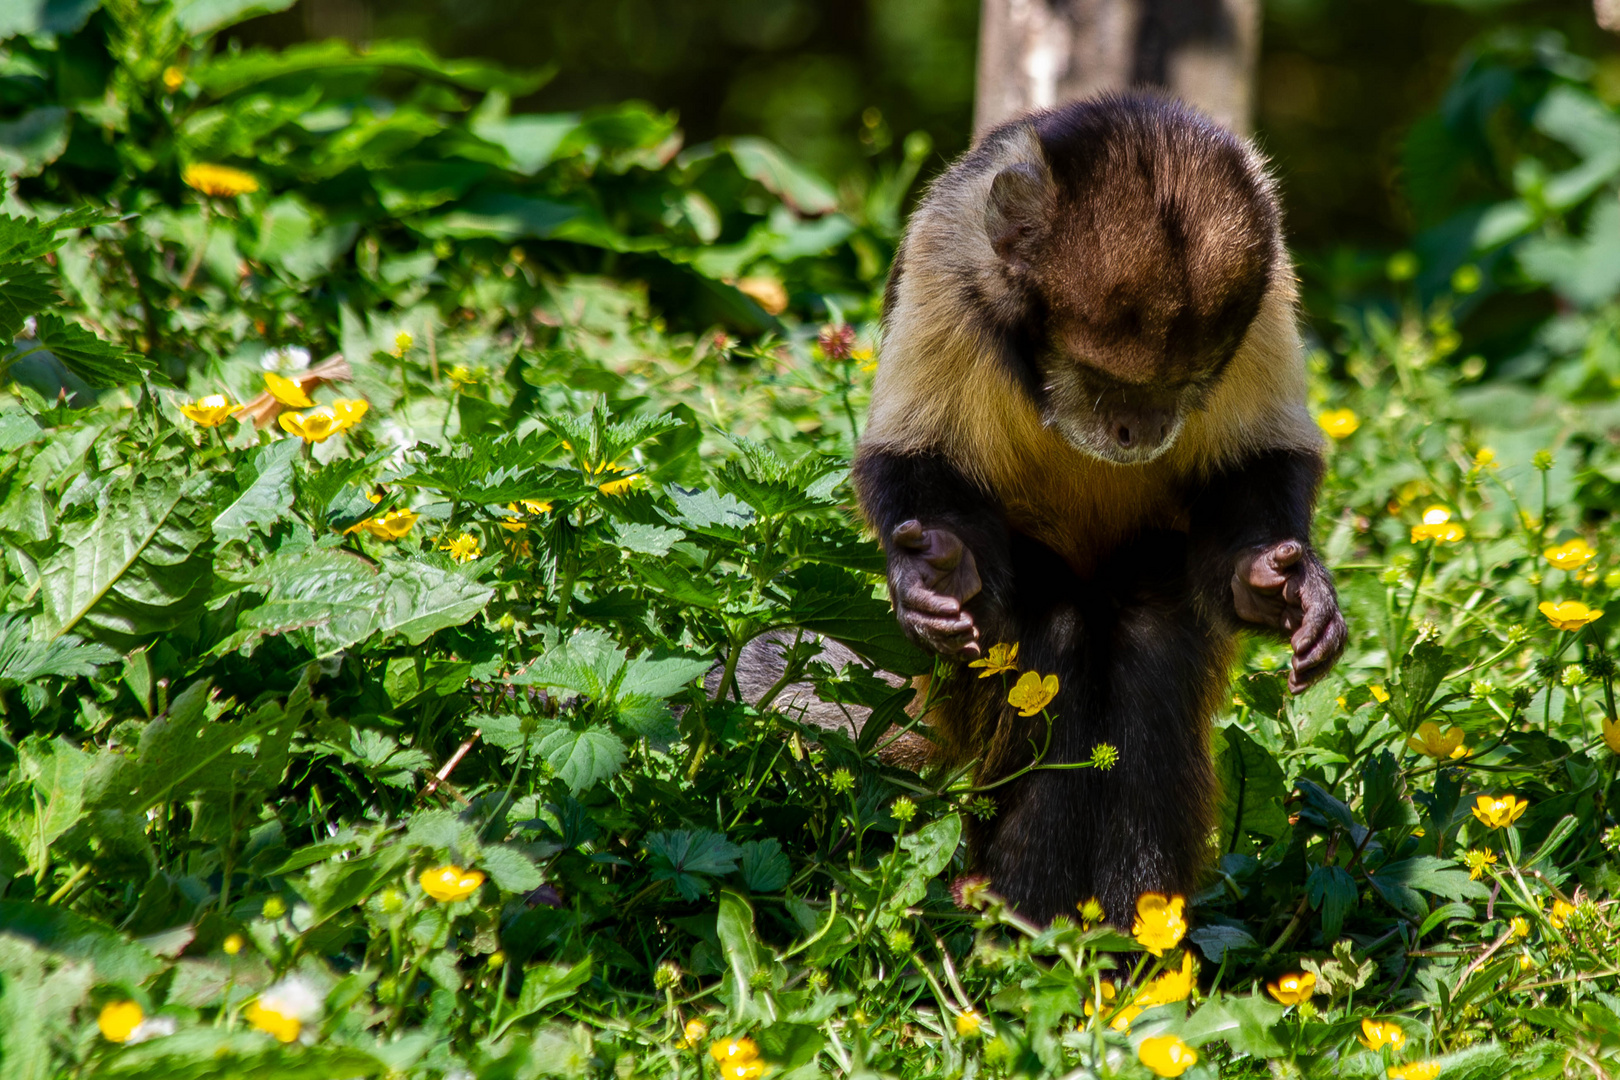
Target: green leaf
(763,161)
(33,140)
(545,984)
(1252,789)
(510,869)
(929,851)
(840,605)
(1332,891)
(581,758)
(734,925)
(420,599)
(267,496)
(765,867)
(1442,877)
(25,660)
(72,936)
(201,16)
(97,362)
(55,771)
(661,675)
(1422,669)
(25,288)
(1384,804)
(1246,1023)
(588,663)
(1215,941)
(689,857)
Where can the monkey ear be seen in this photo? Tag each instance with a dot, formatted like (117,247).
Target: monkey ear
(1016,214)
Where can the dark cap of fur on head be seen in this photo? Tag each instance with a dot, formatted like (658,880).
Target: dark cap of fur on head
(1143,237)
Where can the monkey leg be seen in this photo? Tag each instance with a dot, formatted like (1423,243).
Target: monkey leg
(1139,669)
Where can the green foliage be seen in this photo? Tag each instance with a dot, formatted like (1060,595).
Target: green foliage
(419,749)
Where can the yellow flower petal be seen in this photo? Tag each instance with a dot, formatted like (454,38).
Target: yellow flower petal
(1160,922)
(1571,555)
(1416,1070)
(450,882)
(349,411)
(315,426)
(119,1019)
(1002,657)
(210,411)
(1339,423)
(1032,693)
(1496,811)
(284,1028)
(1293,989)
(289,392)
(1569,614)
(221,180)
(1166,1055)
(1377,1034)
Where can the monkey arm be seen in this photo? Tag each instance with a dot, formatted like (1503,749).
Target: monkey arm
(947,547)
(1251,558)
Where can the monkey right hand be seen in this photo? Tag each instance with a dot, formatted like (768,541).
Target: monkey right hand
(932,576)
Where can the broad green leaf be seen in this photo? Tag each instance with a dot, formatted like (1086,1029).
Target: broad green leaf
(689,857)
(928,851)
(25,660)
(72,936)
(420,599)
(200,16)
(510,869)
(33,140)
(25,289)
(97,362)
(840,605)
(765,866)
(1442,877)
(1332,891)
(545,984)
(1421,672)
(582,757)
(735,927)
(1384,804)
(55,770)
(1215,941)
(661,675)
(588,663)
(1244,1022)
(268,496)
(763,161)
(1252,789)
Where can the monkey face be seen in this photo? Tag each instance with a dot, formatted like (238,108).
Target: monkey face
(1130,262)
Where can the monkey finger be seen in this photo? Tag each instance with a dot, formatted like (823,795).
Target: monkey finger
(934,626)
(919,597)
(1285,554)
(909,535)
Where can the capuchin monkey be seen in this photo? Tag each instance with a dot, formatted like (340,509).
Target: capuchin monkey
(1088,437)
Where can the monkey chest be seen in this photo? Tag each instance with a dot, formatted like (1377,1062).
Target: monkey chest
(1087,512)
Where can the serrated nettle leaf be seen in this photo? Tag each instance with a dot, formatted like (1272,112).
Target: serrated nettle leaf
(580,757)
(97,362)
(645,539)
(419,599)
(510,869)
(1215,941)
(764,866)
(24,659)
(709,513)
(928,851)
(660,674)
(588,663)
(1422,670)
(267,496)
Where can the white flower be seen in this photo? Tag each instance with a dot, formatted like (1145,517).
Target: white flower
(286,358)
(153,1027)
(293,997)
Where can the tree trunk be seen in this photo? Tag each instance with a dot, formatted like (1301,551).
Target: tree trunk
(1608,14)
(1038,53)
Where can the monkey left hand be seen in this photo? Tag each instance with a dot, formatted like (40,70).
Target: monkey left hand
(1286,586)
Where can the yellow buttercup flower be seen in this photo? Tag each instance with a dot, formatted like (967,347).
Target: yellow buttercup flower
(1160,922)
(390,526)
(1339,423)
(1172,986)
(173,78)
(1293,989)
(1477,860)
(349,411)
(1436,515)
(289,392)
(1431,743)
(1561,911)
(1378,692)
(1444,532)
(1569,614)
(725,1050)
(450,882)
(463,548)
(1519,926)
(618,487)
(233,944)
(285,1028)
(968,1022)
(1122,1019)
(530,507)
(220,180)
(1416,1070)
(315,426)
(1032,693)
(1377,1034)
(1166,1055)
(119,1019)
(210,411)
(1611,735)
(693,1033)
(1571,555)
(1496,811)
(1002,657)
(742,1070)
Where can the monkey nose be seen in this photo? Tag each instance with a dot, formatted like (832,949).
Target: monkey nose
(1148,434)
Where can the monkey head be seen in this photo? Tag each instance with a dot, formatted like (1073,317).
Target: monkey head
(1133,254)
